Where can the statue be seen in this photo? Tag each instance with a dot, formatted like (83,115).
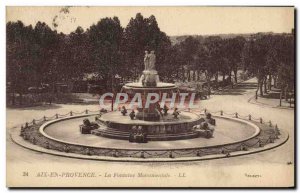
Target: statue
(150,76)
(165,109)
(146,60)
(88,126)
(124,110)
(206,127)
(176,113)
(210,120)
(132,115)
(152,60)
(137,135)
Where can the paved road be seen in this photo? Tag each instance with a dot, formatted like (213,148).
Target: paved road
(271,165)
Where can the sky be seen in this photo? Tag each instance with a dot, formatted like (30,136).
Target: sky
(172,20)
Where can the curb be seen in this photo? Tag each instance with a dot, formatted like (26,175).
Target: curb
(14,135)
(43,126)
(250,100)
(35,148)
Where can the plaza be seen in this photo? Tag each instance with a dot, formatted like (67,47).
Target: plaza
(238,98)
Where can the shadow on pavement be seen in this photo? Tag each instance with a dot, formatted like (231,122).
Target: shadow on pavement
(39,107)
(238,89)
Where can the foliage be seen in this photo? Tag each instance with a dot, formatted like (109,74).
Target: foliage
(39,55)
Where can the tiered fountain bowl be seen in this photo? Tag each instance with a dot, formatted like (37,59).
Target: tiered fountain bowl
(158,127)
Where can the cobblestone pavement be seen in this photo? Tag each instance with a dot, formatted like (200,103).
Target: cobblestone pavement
(266,164)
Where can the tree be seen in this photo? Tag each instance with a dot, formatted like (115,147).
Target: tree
(19,64)
(213,46)
(144,34)
(190,48)
(135,43)
(176,60)
(286,67)
(79,47)
(255,60)
(105,40)
(269,55)
(234,54)
(45,48)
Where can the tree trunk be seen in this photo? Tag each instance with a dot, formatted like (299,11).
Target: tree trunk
(13,98)
(280,97)
(217,80)
(189,76)
(290,99)
(261,88)
(113,91)
(179,74)
(286,93)
(21,98)
(229,75)
(194,75)
(270,82)
(52,91)
(265,85)
(235,75)
(223,77)
(208,83)
(275,81)
(256,92)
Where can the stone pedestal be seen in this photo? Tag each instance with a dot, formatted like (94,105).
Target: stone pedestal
(148,116)
(150,78)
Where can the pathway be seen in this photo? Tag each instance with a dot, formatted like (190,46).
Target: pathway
(271,165)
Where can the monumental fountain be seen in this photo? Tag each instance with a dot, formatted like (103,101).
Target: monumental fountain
(157,125)
(171,134)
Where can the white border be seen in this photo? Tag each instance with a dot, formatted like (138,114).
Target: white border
(151,2)
(4,3)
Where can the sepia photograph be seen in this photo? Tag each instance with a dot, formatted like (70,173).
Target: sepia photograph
(150,96)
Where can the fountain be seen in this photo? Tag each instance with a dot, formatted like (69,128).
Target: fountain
(156,125)
(59,134)
(149,83)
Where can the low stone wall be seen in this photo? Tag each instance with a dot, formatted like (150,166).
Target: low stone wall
(31,132)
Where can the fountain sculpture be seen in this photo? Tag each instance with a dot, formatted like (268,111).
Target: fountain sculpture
(151,120)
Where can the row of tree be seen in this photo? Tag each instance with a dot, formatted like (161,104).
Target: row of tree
(268,57)
(272,58)
(212,56)
(39,55)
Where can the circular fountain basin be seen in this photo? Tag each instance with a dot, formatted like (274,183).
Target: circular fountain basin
(115,125)
(227,131)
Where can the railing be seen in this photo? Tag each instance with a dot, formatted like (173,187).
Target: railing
(268,134)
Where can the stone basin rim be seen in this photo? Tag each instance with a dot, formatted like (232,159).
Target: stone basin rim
(44,125)
(160,85)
